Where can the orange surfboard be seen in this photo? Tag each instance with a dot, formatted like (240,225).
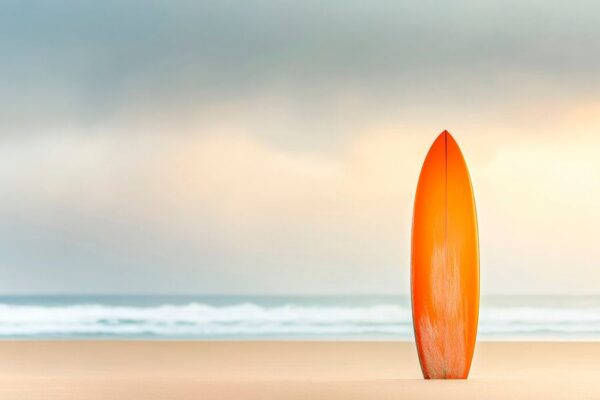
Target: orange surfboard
(445,263)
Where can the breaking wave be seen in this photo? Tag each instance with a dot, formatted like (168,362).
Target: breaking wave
(286,321)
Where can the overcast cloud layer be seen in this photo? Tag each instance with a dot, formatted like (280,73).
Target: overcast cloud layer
(274,147)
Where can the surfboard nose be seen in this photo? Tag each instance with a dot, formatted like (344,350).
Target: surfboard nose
(442,136)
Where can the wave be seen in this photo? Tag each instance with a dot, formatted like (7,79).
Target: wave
(198,320)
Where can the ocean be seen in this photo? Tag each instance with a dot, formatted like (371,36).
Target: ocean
(287,318)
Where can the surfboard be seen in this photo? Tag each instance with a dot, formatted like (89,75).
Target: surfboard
(445,263)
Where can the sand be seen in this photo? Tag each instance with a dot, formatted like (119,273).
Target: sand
(288,370)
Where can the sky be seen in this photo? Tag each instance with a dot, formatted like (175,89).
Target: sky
(274,147)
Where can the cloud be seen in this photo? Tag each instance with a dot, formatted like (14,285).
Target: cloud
(268,147)
(111,65)
(228,213)
(227,209)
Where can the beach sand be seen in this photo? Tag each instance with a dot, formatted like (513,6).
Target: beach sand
(288,370)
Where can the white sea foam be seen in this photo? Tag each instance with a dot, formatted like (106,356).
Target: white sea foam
(247,319)
(200,320)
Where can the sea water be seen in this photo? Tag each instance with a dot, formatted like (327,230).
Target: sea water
(255,317)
